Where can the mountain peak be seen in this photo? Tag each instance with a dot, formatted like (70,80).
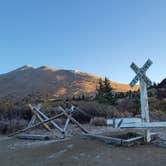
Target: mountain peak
(28,66)
(25,67)
(46,68)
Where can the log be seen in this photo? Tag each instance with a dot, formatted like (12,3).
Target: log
(36,125)
(112,139)
(105,138)
(133,139)
(39,117)
(33,136)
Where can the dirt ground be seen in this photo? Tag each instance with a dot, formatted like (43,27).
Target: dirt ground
(77,151)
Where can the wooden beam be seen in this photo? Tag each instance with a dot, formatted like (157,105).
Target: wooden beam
(105,138)
(116,123)
(73,120)
(133,139)
(36,125)
(144,125)
(39,117)
(144,108)
(66,124)
(33,136)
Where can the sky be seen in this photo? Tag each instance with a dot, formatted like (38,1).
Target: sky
(101,37)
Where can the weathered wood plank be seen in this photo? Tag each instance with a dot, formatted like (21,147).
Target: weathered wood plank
(36,125)
(66,124)
(133,139)
(39,117)
(144,125)
(73,120)
(46,118)
(144,107)
(33,136)
(118,122)
(104,138)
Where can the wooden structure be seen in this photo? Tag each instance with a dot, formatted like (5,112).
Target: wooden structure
(144,121)
(44,120)
(144,82)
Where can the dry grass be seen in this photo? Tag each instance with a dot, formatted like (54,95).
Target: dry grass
(8,126)
(92,109)
(14,116)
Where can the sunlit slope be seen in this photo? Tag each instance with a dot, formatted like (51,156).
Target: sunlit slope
(47,82)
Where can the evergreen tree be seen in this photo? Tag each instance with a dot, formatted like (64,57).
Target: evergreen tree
(105,92)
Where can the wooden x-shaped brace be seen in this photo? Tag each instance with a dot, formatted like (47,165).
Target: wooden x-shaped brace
(141,73)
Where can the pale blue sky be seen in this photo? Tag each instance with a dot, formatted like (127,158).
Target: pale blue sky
(101,37)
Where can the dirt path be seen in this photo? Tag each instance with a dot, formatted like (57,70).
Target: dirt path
(77,151)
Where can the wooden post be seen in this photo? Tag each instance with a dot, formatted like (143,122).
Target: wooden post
(144,108)
(144,81)
(73,120)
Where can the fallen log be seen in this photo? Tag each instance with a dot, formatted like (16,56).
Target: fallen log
(33,136)
(109,139)
(105,138)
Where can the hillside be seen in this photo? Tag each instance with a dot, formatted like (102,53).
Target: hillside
(162,84)
(48,82)
(161,88)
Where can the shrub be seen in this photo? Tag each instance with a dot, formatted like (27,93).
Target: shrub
(91,109)
(162,106)
(98,121)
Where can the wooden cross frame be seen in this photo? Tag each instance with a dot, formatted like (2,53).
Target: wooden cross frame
(44,120)
(141,73)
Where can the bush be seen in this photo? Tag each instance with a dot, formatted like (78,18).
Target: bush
(93,109)
(162,106)
(98,121)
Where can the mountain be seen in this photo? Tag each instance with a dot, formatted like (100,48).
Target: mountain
(50,83)
(162,84)
(161,88)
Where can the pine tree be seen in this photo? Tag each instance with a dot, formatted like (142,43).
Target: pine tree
(105,92)
(100,90)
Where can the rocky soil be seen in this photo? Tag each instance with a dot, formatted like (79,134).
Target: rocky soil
(81,151)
